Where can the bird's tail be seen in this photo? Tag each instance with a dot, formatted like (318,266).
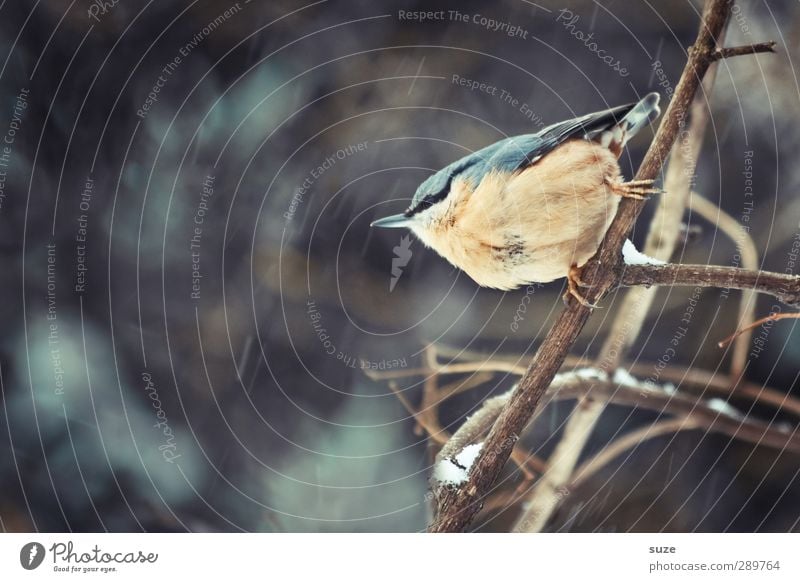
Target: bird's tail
(638,117)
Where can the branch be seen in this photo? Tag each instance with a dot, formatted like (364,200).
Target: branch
(689,414)
(456,507)
(706,414)
(700,381)
(750,49)
(687,379)
(786,288)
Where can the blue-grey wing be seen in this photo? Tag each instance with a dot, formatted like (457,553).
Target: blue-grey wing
(516,153)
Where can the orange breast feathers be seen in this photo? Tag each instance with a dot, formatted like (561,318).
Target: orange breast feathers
(516,228)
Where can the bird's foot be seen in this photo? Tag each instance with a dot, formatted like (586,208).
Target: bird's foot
(574,283)
(637,189)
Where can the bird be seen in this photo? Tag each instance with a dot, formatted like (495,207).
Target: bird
(531,208)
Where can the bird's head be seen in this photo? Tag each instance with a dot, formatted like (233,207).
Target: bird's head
(432,202)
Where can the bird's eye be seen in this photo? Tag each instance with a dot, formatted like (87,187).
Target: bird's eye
(421,206)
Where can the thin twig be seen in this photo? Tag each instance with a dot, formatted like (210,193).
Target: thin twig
(757,323)
(750,49)
(430,392)
(434,432)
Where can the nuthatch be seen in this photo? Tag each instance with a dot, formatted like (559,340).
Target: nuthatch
(531,208)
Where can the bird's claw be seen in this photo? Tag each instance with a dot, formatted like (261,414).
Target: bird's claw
(574,283)
(636,189)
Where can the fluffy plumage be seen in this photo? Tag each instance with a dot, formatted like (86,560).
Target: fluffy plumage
(529,208)
(532,225)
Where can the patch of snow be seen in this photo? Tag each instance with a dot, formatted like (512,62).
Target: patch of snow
(721,406)
(622,376)
(632,256)
(625,378)
(468,455)
(448,473)
(582,374)
(456,471)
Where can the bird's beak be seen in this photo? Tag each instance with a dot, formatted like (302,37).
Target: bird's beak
(396,221)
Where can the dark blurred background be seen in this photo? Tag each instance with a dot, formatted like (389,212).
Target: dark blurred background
(191,288)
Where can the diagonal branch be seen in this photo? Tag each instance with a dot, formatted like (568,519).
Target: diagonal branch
(456,506)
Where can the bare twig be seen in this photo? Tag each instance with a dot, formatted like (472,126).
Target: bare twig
(786,288)
(758,322)
(430,393)
(434,431)
(750,49)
